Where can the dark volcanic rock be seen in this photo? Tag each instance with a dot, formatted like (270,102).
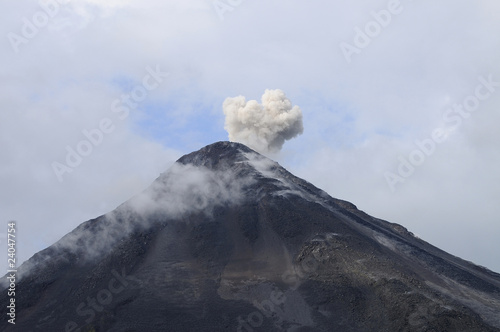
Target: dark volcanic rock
(227,240)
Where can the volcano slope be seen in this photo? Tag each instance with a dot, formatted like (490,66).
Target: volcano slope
(228,240)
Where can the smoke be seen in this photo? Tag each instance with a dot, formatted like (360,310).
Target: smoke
(182,190)
(263,127)
(187,188)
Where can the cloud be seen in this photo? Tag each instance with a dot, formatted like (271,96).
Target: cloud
(180,191)
(186,188)
(263,127)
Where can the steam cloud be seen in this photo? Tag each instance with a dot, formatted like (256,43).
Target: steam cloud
(183,189)
(263,127)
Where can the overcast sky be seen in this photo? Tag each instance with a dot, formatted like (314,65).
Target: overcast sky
(400,104)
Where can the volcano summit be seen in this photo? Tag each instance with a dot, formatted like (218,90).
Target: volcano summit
(228,240)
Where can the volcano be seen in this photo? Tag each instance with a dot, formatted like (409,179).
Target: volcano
(228,240)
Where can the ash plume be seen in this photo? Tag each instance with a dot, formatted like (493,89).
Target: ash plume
(264,127)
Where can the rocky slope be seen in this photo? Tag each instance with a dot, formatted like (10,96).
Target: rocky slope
(228,240)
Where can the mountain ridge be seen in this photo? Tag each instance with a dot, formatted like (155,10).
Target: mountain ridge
(225,230)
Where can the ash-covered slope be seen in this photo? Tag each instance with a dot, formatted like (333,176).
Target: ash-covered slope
(228,240)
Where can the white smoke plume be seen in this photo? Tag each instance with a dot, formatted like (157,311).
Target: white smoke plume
(263,127)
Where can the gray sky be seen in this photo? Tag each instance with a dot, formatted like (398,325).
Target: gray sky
(371,79)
